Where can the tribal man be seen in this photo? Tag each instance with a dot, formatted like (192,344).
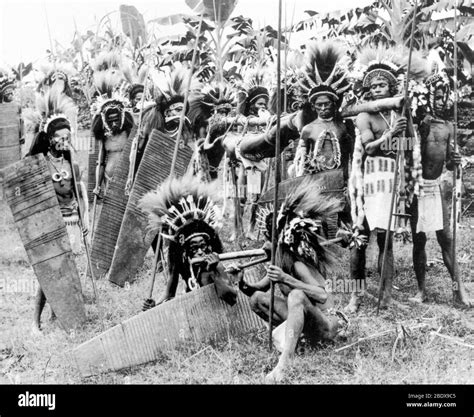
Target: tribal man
(302,262)
(186,209)
(58,113)
(112,123)
(429,212)
(373,168)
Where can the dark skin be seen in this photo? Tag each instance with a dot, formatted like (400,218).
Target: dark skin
(109,155)
(326,108)
(375,133)
(436,151)
(59,142)
(207,269)
(303,306)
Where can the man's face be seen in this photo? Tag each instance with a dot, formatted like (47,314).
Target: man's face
(259,104)
(379,88)
(174,110)
(324,106)
(8,95)
(137,99)
(439,100)
(198,247)
(114,121)
(60,140)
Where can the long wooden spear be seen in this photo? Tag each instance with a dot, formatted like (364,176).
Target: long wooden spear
(397,162)
(457,171)
(277,179)
(176,149)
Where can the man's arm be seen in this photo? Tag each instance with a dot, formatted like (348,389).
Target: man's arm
(306,282)
(452,158)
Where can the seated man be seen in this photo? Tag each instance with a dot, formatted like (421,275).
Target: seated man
(300,270)
(185,208)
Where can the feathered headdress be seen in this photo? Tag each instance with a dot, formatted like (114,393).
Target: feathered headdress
(257,84)
(172,86)
(437,80)
(135,78)
(213,97)
(301,223)
(109,82)
(184,208)
(56,76)
(325,71)
(54,111)
(7,81)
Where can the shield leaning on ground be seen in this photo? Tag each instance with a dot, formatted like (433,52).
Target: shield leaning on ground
(331,183)
(134,241)
(197,316)
(30,194)
(9,134)
(111,214)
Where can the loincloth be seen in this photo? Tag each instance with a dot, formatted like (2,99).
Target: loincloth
(378,186)
(430,207)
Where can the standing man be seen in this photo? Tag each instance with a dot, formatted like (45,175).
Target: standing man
(429,212)
(58,113)
(373,169)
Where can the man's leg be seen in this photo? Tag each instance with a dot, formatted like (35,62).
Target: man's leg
(388,276)
(260,304)
(302,314)
(419,255)
(357,271)
(445,241)
(40,301)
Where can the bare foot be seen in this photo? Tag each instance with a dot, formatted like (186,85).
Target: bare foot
(461,299)
(354,304)
(35,329)
(386,301)
(275,376)
(419,298)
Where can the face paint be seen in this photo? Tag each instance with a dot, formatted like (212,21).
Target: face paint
(324,106)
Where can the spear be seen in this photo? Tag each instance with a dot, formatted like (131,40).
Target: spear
(397,162)
(457,171)
(176,149)
(277,179)
(74,179)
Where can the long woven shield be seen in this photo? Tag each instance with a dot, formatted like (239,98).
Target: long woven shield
(198,316)
(331,183)
(134,241)
(30,194)
(9,134)
(111,214)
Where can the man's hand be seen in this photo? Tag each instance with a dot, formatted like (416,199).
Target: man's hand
(456,158)
(212,260)
(267,247)
(400,126)
(148,303)
(96,191)
(276,274)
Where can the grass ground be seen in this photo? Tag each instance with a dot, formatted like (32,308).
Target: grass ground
(31,357)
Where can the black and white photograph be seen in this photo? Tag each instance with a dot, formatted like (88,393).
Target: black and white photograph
(244,193)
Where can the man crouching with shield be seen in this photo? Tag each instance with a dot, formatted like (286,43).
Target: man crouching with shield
(303,260)
(185,211)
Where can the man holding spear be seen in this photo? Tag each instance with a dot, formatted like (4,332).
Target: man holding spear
(428,211)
